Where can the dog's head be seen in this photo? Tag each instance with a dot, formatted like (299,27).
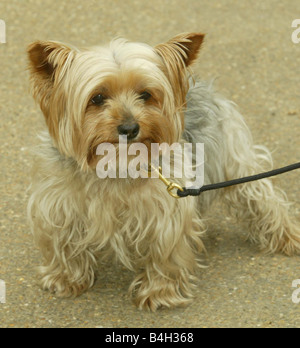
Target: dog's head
(92,96)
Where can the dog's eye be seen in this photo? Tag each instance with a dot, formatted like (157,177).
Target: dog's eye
(145,96)
(98,99)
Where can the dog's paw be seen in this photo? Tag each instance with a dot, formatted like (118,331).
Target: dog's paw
(285,241)
(160,292)
(61,286)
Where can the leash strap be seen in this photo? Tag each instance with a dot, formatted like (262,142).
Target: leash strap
(196,192)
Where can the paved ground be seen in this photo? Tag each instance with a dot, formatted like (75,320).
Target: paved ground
(249,49)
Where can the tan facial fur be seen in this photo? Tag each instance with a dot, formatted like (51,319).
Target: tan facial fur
(64,80)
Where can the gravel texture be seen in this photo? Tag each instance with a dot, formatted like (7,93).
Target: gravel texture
(250,51)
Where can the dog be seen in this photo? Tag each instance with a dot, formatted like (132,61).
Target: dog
(150,95)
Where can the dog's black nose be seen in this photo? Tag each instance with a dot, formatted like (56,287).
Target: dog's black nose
(131,130)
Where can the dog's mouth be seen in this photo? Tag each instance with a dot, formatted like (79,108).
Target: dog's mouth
(145,141)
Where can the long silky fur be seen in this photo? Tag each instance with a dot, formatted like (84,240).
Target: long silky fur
(77,218)
(229,154)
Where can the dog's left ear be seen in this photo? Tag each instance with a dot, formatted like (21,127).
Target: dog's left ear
(183,49)
(177,55)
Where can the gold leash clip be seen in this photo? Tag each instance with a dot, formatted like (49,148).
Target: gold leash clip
(170,185)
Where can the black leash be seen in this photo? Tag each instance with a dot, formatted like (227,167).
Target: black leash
(196,192)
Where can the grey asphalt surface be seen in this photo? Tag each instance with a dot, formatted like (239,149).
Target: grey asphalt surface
(249,50)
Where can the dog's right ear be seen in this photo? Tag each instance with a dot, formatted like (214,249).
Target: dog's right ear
(48,63)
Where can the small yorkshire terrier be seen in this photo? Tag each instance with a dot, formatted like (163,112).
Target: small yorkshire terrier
(92,96)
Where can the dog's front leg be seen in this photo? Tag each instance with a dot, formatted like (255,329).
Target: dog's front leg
(167,279)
